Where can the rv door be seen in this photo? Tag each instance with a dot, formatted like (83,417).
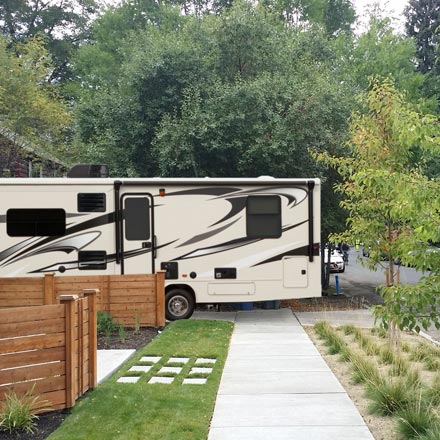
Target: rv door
(137,233)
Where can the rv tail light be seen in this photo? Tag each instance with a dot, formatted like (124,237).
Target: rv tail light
(162,192)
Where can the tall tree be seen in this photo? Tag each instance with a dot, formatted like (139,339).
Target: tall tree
(381,52)
(422,23)
(63,24)
(391,206)
(29,106)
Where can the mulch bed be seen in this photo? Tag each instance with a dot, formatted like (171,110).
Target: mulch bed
(45,425)
(332,302)
(133,339)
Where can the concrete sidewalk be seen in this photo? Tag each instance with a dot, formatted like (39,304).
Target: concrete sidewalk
(275,385)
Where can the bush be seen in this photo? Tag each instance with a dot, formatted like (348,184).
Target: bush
(107,326)
(18,413)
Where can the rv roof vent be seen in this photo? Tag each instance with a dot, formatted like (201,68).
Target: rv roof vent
(266,177)
(88,170)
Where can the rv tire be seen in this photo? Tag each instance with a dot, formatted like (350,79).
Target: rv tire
(179,304)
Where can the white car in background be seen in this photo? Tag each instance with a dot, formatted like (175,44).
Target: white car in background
(337,263)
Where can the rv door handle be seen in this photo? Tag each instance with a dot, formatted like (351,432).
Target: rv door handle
(146,244)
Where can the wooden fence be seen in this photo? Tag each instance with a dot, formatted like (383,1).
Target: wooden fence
(129,299)
(50,349)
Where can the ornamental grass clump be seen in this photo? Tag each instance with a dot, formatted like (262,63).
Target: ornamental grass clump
(387,355)
(399,367)
(364,371)
(389,396)
(19,413)
(432,393)
(416,420)
(335,343)
(432,433)
(366,343)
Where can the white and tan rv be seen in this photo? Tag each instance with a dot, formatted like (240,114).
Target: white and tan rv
(219,240)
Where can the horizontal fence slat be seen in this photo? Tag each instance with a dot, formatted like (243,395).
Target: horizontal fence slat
(37,342)
(134,307)
(32,357)
(32,372)
(132,285)
(56,398)
(132,277)
(47,326)
(35,313)
(11,303)
(25,281)
(45,385)
(80,279)
(10,294)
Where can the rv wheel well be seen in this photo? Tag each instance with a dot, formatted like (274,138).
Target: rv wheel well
(181,286)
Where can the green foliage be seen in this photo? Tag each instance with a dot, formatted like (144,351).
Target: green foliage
(364,370)
(388,200)
(232,95)
(432,393)
(18,413)
(63,24)
(107,326)
(389,396)
(380,52)
(30,107)
(422,22)
(431,434)
(416,420)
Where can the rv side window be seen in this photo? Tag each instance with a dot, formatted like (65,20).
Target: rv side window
(263,217)
(92,260)
(35,222)
(91,202)
(137,218)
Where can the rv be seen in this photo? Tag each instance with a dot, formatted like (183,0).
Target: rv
(219,240)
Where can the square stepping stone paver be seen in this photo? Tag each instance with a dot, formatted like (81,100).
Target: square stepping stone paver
(153,359)
(177,360)
(205,361)
(142,368)
(166,380)
(175,370)
(203,370)
(128,379)
(194,381)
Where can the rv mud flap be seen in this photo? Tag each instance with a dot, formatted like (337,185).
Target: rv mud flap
(231,289)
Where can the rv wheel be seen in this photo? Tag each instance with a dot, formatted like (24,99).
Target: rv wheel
(179,304)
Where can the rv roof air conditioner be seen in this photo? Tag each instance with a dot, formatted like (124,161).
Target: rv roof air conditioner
(88,170)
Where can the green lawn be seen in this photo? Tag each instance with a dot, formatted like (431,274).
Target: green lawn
(155,411)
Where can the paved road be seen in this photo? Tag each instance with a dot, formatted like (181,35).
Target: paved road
(358,279)
(357,274)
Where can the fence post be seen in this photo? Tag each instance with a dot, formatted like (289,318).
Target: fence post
(91,294)
(70,302)
(49,289)
(160,297)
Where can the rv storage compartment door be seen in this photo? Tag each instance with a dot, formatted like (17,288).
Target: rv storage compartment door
(295,271)
(231,288)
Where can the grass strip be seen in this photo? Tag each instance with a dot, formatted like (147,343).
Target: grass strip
(155,411)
